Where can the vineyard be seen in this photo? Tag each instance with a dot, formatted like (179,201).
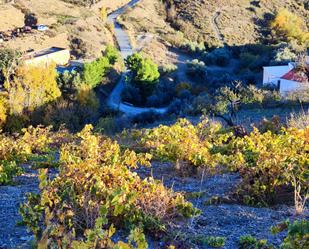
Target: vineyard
(169,124)
(103,189)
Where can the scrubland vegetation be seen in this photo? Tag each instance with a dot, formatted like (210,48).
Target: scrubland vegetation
(37,95)
(200,173)
(97,191)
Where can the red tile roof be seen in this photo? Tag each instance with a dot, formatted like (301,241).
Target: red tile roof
(293,75)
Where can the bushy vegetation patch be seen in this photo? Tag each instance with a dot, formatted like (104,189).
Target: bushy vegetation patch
(300,120)
(269,162)
(297,233)
(38,95)
(287,26)
(96,189)
(248,241)
(186,144)
(18,149)
(144,76)
(93,72)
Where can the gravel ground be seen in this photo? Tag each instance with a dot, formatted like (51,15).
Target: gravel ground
(11,234)
(226,220)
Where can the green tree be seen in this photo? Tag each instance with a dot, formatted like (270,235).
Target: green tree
(144,72)
(68,83)
(112,54)
(94,71)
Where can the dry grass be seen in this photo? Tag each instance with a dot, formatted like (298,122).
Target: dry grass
(239,21)
(300,120)
(65,21)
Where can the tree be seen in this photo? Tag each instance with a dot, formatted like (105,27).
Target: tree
(30,20)
(228,101)
(284,54)
(68,82)
(8,63)
(288,26)
(31,88)
(112,54)
(94,71)
(144,72)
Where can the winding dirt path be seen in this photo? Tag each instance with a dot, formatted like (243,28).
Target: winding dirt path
(125,47)
(215,24)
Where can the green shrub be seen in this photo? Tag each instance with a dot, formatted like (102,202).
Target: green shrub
(145,73)
(250,242)
(112,54)
(94,71)
(8,170)
(215,242)
(196,68)
(68,83)
(169,68)
(298,234)
(219,56)
(193,47)
(143,70)
(284,55)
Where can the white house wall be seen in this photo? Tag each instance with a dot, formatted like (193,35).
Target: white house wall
(287,86)
(60,58)
(273,74)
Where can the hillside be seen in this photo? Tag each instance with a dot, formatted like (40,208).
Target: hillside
(239,22)
(66,22)
(154,124)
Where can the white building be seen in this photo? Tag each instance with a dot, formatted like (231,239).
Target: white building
(285,78)
(59,56)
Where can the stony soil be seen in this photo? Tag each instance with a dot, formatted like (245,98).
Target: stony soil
(228,219)
(11,234)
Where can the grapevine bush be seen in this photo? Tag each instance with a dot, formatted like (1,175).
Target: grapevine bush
(18,149)
(97,190)
(184,143)
(297,234)
(270,162)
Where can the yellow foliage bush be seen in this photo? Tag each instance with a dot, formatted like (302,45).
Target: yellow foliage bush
(103,13)
(87,97)
(184,142)
(289,26)
(96,182)
(32,87)
(3,111)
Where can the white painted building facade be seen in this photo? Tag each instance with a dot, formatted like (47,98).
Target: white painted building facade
(285,79)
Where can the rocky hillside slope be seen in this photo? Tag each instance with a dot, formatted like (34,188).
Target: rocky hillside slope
(66,21)
(238,22)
